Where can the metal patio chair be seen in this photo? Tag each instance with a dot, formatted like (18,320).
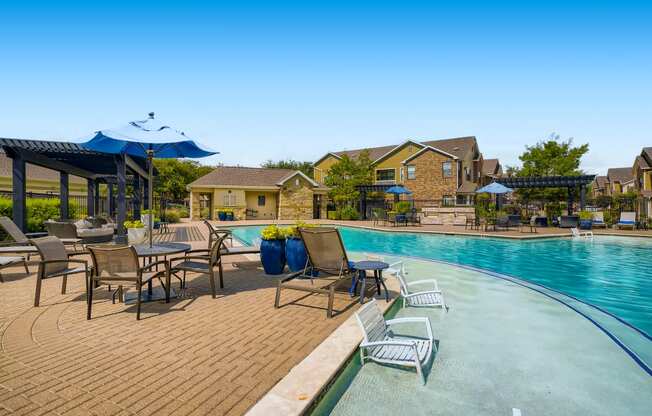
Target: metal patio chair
(118,265)
(381,345)
(206,263)
(56,262)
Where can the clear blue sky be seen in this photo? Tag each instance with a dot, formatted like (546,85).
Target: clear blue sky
(295,80)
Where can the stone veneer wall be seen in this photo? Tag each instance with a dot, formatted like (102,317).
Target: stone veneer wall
(295,202)
(429,182)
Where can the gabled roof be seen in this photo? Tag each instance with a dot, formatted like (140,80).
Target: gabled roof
(646,155)
(429,149)
(622,175)
(458,147)
(235,176)
(641,163)
(490,167)
(467,188)
(601,182)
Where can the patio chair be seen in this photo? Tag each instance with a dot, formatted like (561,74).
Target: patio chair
(327,261)
(530,226)
(627,220)
(81,231)
(377,217)
(382,346)
(569,221)
(56,262)
(195,262)
(413,218)
(118,265)
(420,298)
(598,220)
(502,222)
(576,233)
(9,261)
(216,233)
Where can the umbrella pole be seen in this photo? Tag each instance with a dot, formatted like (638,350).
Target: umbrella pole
(150,196)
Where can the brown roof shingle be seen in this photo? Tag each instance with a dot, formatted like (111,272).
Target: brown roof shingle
(490,166)
(458,147)
(601,182)
(243,176)
(621,175)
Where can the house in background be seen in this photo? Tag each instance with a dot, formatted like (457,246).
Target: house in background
(257,193)
(491,170)
(643,181)
(600,187)
(444,171)
(621,180)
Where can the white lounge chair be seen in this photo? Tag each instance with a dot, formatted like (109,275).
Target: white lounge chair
(423,298)
(382,346)
(627,220)
(598,220)
(581,234)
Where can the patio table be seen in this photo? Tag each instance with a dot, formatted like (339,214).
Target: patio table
(148,253)
(377,267)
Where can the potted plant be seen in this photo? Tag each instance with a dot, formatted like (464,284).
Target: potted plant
(586,220)
(221,215)
(136,231)
(229,215)
(295,250)
(272,249)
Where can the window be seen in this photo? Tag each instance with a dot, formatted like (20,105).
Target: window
(412,172)
(261,200)
(447,169)
(229,199)
(448,201)
(402,174)
(385,175)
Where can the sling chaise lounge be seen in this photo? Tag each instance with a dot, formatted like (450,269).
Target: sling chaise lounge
(381,345)
(627,220)
(9,261)
(327,261)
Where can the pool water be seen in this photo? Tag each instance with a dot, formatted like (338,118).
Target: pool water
(613,273)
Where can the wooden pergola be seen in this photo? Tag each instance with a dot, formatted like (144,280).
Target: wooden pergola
(569,182)
(116,171)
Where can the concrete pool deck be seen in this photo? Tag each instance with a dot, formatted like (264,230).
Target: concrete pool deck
(502,347)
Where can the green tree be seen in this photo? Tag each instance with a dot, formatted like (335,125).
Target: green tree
(305,167)
(551,157)
(175,174)
(345,175)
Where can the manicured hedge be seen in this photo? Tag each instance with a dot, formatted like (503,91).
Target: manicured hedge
(39,210)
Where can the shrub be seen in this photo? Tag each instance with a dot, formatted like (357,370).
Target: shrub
(204,213)
(402,207)
(293,230)
(172,216)
(333,215)
(349,213)
(272,232)
(183,212)
(5,207)
(134,224)
(586,215)
(41,210)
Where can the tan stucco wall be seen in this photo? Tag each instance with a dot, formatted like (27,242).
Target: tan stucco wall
(269,211)
(394,160)
(429,182)
(295,202)
(322,168)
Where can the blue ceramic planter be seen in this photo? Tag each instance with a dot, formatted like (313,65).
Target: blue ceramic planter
(295,253)
(229,216)
(272,255)
(586,224)
(221,215)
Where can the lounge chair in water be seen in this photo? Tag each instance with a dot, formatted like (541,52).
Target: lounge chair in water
(327,265)
(428,296)
(581,234)
(627,220)
(396,267)
(381,345)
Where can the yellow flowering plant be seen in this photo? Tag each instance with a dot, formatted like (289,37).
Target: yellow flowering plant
(272,232)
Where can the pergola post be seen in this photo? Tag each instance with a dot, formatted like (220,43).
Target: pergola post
(64,193)
(582,196)
(146,194)
(121,216)
(138,196)
(570,201)
(90,197)
(97,207)
(363,205)
(19,184)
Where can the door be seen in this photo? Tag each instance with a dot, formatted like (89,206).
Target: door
(205,206)
(316,207)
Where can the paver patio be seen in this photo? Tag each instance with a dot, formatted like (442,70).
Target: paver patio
(193,356)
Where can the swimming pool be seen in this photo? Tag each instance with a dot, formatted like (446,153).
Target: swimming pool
(612,273)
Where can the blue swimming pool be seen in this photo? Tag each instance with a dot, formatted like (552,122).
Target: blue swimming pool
(613,273)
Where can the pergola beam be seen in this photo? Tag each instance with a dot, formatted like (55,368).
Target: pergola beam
(46,162)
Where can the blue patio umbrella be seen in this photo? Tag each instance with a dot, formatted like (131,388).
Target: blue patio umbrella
(494,188)
(149,139)
(398,190)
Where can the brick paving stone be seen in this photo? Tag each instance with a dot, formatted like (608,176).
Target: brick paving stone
(195,355)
